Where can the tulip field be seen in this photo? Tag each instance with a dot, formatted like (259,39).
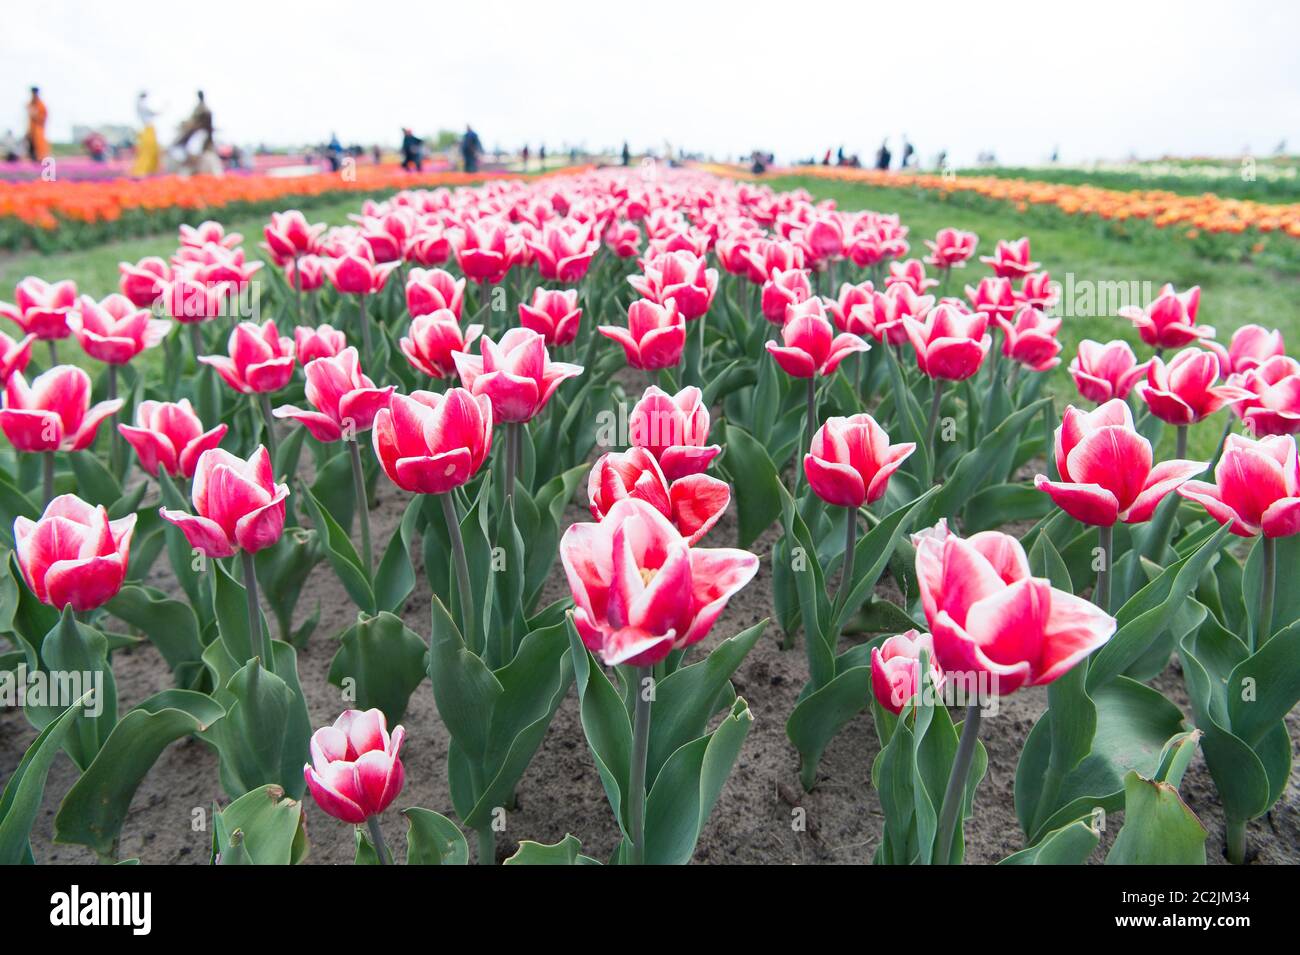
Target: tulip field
(646,516)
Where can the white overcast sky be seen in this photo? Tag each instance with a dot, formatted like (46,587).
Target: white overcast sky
(1099,79)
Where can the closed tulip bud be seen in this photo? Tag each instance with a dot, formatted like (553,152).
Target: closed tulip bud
(810,348)
(169,436)
(1184,391)
(1102,372)
(41,308)
(896,669)
(344,401)
(429,443)
(951,248)
(693,503)
(782,290)
(355,770)
(564,253)
(323,341)
(950,344)
(305,273)
(114,331)
(850,461)
(188,300)
(1256,487)
(990,619)
(358,272)
(74,556)
(554,314)
(655,335)
(1031,339)
(433,339)
(1169,321)
(675,429)
(1011,260)
(1106,468)
(486,251)
(517,375)
(433,290)
(237,504)
(54,412)
(260,359)
(640,590)
(145,281)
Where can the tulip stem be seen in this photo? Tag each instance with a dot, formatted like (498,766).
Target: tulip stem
(114,437)
(1265,625)
(53,344)
(931,429)
(810,427)
(644,690)
(256,636)
(264,402)
(365,331)
(462,567)
(1101,595)
(955,793)
(850,549)
(487,845)
(512,457)
(297,286)
(196,342)
(1234,835)
(377,840)
(47,478)
(1180,445)
(363,503)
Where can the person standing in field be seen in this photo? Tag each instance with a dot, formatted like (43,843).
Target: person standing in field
(471,147)
(146,144)
(38,147)
(200,122)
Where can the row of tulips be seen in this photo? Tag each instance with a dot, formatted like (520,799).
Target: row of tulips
(779,355)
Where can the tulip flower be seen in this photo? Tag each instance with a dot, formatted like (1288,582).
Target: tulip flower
(1184,391)
(1031,339)
(851,460)
(433,339)
(14,355)
(517,375)
(169,436)
(260,362)
(305,273)
(41,309)
(675,429)
(1251,346)
(358,273)
(623,239)
(344,400)
(781,291)
(823,239)
(1102,372)
(486,252)
(1106,468)
(640,590)
(73,556)
(356,771)
(430,443)
(564,253)
(910,273)
(208,232)
(145,281)
(432,290)
(1273,405)
(190,301)
(214,264)
(950,344)
(289,236)
(429,247)
(681,276)
(655,336)
(238,506)
(888,310)
(693,503)
(323,341)
(993,297)
(114,331)
(769,256)
(853,310)
(810,348)
(1037,290)
(896,669)
(951,248)
(1010,260)
(554,314)
(1169,321)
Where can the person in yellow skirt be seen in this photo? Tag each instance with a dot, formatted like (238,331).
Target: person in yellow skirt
(146,144)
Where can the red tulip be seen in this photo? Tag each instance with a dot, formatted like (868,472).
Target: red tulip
(306,273)
(1251,346)
(355,770)
(951,248)
(1184,391)
(640,590)
(345,400)
(655,335)
(214,264)
(1105,468)
(564,252)
(888,310)
(260,359)
(1037,290)
(54,413)
(208,232)
(429,443)
(1031,339)
(783,290)
(1169,321)
(554,314)
(323,341)
(910,273)
(823,239)
(143,282)
(114,331)
(74,555)
(624,239)
(357,272)
(486,251)
(188,300)
(769,256)
(1102,372)
(675,429)
(1010,260)
(237,504)
(432,290)
(14,355)
(681,276)
(853,298)
(289,235)
(896,669)
(991,620)
(1256,487)
(949,344)
(429,247)
(1273,405)
(850,461)
(810,346)
(993,297)
(433,339)
(517,375)
(41,308)
(693,503)
(170,436)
